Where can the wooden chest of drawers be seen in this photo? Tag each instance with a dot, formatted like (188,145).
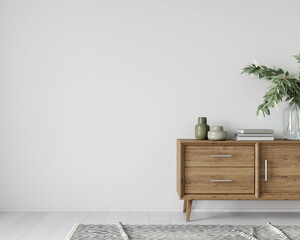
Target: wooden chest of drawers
(237,170)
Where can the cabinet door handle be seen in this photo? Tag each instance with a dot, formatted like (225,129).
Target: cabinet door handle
(221,156)
(221,180)
(266,170)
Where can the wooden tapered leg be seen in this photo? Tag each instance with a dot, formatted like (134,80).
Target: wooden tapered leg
(188,210)
(184,206)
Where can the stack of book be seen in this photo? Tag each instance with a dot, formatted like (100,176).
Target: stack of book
(254,134)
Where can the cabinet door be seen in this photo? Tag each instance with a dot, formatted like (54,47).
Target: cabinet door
(280,170)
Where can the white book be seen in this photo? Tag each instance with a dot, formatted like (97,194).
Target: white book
(238,138)
(254,134)
(255,131)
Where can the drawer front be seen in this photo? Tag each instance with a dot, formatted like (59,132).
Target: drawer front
(197,156)
(219,180)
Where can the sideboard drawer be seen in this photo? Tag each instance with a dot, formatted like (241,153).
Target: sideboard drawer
(197,156)
(219,180)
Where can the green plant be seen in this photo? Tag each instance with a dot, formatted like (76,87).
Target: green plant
(284,87)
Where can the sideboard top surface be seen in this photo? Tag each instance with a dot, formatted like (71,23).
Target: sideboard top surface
(234,142)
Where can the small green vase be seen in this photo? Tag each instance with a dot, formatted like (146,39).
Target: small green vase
(217,133)
(201,129)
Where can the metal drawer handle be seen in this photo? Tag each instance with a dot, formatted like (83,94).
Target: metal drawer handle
(221,180)
(221,156)
(266,170)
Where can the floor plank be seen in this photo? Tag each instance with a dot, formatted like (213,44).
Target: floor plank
(23,225)
(8,219)
(115,217)
(160,218)
(44,227)
(178,218)
(207,218)
(285,218)
(250,218)
(95,218)
(141,218)
(68,222)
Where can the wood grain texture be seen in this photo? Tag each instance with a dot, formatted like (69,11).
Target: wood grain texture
(256,175)
(197,156)
(283,170)
(184,206)
(198,180)
(189,210)
(180,169)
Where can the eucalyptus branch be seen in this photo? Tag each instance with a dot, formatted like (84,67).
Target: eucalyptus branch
(284,87)
(298,58)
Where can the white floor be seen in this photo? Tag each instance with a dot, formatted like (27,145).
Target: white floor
(55,225)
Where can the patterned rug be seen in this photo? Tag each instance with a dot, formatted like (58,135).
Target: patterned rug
(182,232)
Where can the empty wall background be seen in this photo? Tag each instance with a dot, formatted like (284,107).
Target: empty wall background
(94,94)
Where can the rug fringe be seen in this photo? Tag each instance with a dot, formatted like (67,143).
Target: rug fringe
(245,235)
(71,232)
(122,230)
(278,231)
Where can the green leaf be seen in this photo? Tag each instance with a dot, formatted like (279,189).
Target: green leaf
(255,63)
(284,85)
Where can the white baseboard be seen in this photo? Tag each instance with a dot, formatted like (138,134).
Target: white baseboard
(153,210)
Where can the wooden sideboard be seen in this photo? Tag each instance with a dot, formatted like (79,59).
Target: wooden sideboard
(237,170)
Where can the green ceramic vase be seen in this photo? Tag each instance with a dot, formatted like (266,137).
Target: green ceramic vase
(201,129)
(217,133)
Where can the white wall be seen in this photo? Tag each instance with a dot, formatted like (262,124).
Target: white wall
(94,94)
